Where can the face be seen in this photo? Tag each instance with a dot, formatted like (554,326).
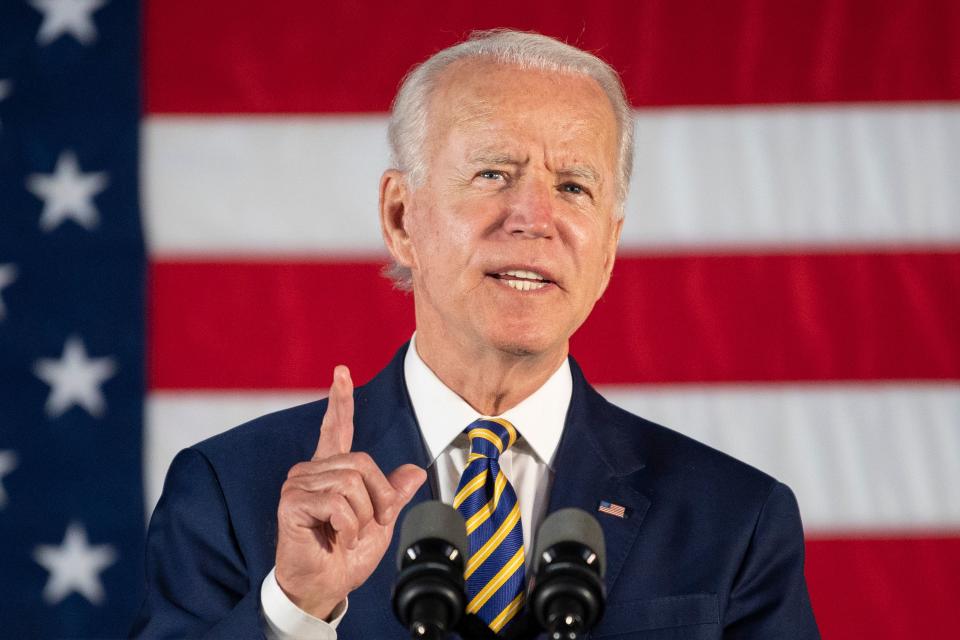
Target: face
(511,237)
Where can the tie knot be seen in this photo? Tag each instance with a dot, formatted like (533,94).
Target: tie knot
(489,437)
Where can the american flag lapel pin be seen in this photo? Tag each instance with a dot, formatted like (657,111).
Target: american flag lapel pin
(612,509)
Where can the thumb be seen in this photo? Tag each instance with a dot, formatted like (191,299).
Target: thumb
(406,479)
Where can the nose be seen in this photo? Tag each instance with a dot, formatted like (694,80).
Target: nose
(530,212)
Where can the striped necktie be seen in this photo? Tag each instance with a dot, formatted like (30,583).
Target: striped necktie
(485,499)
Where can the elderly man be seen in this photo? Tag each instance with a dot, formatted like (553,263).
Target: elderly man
(512,155)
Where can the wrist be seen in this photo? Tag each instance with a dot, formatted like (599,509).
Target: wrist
(322,608)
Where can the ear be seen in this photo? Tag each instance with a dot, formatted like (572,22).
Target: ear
(611,253)
(394,204)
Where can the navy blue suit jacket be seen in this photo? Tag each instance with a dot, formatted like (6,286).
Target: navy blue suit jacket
(709,547)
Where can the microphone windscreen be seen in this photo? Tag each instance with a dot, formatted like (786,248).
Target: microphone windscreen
(571,525)
(436,520)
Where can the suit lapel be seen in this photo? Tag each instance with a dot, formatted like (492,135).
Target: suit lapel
(392,435)
(592,465)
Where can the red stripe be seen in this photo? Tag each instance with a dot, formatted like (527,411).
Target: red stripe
(816,317)
(885,589)
(343,56)
(271,325)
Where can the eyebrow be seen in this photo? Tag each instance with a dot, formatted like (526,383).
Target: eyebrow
(493,158)
(582,172)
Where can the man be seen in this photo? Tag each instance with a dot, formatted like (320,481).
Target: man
(513,155)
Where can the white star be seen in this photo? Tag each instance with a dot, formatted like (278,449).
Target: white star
(67,17)
(75,379)
(68,193)
(74,566)
(8,462)
(8,273)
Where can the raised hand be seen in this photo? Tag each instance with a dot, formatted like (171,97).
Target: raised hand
(337,512)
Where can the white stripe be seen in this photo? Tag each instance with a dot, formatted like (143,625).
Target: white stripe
(178,419)
(712,177)
(878,456)
(258,185)
(857,456)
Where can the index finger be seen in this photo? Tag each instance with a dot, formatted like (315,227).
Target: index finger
(336,430)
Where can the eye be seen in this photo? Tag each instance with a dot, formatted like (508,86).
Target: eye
(572,187)
(490,174)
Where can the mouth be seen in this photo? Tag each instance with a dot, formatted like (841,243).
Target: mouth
(523,279)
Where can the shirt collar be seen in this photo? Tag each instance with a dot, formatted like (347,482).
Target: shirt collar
(443,415)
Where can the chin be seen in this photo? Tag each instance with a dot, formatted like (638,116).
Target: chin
(519,350)
(525,344)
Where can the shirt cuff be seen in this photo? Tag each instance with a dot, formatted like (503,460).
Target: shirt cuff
(284,620)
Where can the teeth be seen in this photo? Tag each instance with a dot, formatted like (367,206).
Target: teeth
(525,285)
(529,280)
(520,273)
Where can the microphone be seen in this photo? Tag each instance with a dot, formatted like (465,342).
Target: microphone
(567,594)
(429,594)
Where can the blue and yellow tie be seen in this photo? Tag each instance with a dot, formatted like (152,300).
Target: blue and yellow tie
(485,499)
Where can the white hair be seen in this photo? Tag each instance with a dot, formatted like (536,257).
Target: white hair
(410,114)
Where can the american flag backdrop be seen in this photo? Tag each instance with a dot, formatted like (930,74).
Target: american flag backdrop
(787,289)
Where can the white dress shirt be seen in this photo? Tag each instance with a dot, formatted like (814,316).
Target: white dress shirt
(442,416)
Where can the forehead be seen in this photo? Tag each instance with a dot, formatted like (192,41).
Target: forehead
(499,104)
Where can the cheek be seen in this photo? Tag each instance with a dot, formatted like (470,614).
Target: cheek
(595,264)
(442,252)
(589,249)
(447,236)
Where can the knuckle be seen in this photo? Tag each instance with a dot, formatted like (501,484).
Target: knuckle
(299,469)
(351,479)
(287,507)
(292,483)
(292,494)
(339,502)
(363,459)
(338,460)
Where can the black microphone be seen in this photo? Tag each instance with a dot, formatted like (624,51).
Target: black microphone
(429,595)
(567,594)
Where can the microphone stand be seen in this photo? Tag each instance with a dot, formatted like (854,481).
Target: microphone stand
(471,627)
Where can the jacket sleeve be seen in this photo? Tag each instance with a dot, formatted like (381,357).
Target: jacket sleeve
(197,581)
(769,598)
